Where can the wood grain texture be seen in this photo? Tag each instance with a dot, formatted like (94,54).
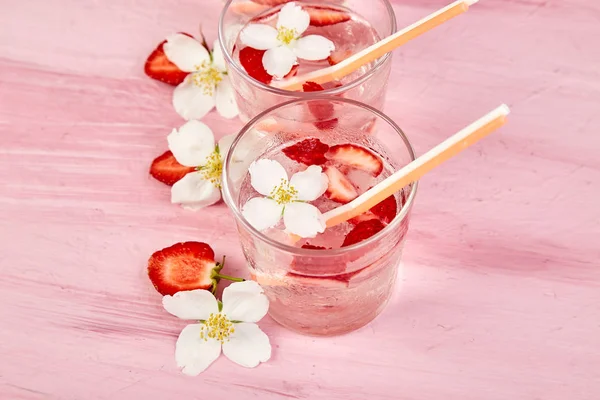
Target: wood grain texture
(500,297)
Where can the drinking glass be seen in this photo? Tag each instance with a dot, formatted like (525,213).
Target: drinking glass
(253,96)
(345,287)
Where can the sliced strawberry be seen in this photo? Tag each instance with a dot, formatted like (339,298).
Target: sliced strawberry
(363,217)
(340,189)
(160,68)
(309,151)
(322,110)
(363,231)
(246,7)
(357,157)
(167,170)
(339,55)
(325,16)
(386,210)
(311,247)
(251,60)
(293,72)
(183,266)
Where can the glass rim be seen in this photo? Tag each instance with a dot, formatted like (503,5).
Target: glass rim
(394,224)
(303,95)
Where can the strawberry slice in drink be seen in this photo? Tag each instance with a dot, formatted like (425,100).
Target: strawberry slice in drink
(354,156)
(183,266)
(362,231)
(325,16)
(251,60)
(321,109)
(309,152)
(167,170)
(340,189)
(386,210)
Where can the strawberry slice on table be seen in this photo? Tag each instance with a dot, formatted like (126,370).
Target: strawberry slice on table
(159,67)
(325,16)
(363,231)
(340,189)
(251,60)
(183,266)
(167,170)
(309,152)
(357,157)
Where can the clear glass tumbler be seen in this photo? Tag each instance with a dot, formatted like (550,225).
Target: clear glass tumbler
(321,292)
(368,86)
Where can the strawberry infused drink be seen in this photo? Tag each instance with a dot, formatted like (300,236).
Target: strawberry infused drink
(267,41)
(320,280)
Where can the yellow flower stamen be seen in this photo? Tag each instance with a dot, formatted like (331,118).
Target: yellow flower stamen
(286,35)
(284,193)
(217,327)
(212,170)
(207,77)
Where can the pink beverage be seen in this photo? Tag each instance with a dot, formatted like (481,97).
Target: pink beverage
(350,27)
(342,278)
(350,35)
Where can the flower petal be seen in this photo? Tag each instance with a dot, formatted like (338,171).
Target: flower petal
(303,219)
(248,346)
(190,101)
(194,354)
(191,304)
(262,213)
(245,301)
(192,143)
(313,47)
(185,52)
(217,57)
(266,175)
(259,36)
(225,144)
(279,61)
(194,192)
(310,183)
(225,99)
(292,16)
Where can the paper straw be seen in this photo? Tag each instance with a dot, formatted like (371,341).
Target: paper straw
(377,50)
(419,167)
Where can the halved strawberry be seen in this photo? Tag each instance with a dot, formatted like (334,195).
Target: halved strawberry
(322,110)
(167,170)
(340,189)
(309,151)
(363,231)
(160,68)
(324,16)
(357,157)
(183,266)
(251,60)
(386,210)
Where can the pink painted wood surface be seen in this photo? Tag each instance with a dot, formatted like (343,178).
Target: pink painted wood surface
(500,297)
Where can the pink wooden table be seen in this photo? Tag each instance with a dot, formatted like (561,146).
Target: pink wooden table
(500,297)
